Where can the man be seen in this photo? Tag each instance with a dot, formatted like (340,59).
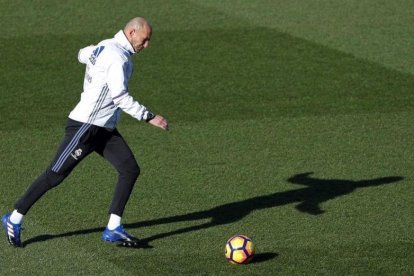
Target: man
(91,127)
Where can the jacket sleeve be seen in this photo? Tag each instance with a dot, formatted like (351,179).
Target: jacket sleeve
(85,53)
(118,87)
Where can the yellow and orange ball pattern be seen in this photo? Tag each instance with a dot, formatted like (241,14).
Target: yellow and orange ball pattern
(239,249)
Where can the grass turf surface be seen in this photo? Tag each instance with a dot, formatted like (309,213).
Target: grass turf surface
(256,101)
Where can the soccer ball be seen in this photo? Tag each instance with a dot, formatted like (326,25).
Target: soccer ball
(239,249)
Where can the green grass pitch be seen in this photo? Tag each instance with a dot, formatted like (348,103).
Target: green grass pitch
(291,122)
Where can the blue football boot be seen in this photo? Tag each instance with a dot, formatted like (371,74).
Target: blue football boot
(121,237)
(12,231)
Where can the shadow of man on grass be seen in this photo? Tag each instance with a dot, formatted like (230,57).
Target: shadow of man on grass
(308,199)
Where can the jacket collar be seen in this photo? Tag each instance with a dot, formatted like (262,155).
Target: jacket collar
(123,41)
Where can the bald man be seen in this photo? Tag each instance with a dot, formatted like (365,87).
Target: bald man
(91,127)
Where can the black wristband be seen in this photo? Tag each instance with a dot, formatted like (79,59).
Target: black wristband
(150,116)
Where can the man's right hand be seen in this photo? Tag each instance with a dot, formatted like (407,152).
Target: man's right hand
(160,122)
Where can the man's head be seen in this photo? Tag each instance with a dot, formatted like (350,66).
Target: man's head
(138,32)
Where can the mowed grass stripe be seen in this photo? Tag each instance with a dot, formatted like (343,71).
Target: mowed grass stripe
(378,31)
(257,73)
(246,149)
(266,170)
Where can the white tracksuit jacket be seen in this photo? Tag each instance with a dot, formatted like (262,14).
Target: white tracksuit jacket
(105,87)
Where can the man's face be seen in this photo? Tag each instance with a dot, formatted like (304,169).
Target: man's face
(140,39)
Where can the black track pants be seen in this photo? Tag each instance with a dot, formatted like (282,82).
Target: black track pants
(80,140)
